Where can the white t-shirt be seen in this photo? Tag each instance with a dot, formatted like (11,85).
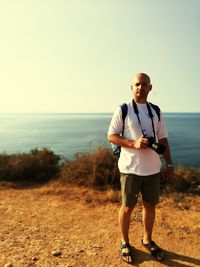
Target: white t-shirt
(138,161)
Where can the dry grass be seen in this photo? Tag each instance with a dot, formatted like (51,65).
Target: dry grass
(81,193)
(95,170)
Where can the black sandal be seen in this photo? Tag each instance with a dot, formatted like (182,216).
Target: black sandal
(155,250)
(126,252)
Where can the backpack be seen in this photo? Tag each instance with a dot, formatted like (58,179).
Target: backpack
(117,149)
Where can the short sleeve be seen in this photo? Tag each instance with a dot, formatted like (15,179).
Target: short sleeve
(116,123)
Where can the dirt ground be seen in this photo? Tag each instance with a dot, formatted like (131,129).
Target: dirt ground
(75,228)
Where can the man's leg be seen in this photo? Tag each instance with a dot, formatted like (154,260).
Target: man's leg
(124,222)
(130,186)
(148,220)
(150,196)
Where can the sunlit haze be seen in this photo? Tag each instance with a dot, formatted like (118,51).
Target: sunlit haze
(81,56)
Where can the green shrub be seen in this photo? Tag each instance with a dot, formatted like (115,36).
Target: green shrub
(38,166)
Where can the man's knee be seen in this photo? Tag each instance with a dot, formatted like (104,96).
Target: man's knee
(149,206)
(126,210)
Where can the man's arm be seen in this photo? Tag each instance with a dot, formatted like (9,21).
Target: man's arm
(168,159)
(120,141)
(141,142)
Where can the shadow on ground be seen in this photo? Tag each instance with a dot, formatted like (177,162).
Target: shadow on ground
(20,185)
(171,259)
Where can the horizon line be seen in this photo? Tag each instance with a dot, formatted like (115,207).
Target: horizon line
(78,113)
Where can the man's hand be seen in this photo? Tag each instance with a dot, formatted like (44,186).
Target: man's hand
(169,173)
(141,142)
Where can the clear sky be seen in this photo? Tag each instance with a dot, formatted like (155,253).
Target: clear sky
(81,55)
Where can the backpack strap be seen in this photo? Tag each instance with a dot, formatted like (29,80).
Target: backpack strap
(117,149)
(157,110)
(124,109)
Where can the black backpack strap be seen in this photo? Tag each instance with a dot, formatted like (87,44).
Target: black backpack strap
(124,109)
(157,110)
(116,148)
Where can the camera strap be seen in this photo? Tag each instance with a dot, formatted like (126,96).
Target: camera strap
(135,108)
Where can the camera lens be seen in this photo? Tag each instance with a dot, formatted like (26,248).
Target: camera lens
(160,149)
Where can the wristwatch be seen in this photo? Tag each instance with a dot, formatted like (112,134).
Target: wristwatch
(169,165)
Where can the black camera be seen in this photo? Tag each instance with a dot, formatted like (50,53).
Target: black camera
(158,148)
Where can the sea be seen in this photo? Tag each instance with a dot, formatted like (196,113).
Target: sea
(71,134)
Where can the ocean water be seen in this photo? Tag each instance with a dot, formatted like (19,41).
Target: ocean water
(69,134)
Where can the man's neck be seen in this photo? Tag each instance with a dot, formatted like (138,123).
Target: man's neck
(140,100)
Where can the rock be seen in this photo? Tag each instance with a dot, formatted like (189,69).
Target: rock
(56,253)
(80,250)
(9,264)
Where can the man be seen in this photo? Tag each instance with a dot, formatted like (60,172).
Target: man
(139,164)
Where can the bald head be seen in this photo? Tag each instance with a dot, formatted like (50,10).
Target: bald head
(144,76)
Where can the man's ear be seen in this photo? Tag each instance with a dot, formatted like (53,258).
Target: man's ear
(131,87)
(150,87)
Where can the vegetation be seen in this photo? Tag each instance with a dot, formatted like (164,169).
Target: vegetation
(35,166)
(95,170)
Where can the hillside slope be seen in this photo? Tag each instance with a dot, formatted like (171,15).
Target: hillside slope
(71,229)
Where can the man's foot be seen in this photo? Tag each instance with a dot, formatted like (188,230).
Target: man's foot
(154,249)
(126,252)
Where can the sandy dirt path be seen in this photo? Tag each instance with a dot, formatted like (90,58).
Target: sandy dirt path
(43,229)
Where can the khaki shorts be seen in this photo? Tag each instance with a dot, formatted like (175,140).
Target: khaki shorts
(132,184)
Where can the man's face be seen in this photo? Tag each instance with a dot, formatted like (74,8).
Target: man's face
(141,87)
